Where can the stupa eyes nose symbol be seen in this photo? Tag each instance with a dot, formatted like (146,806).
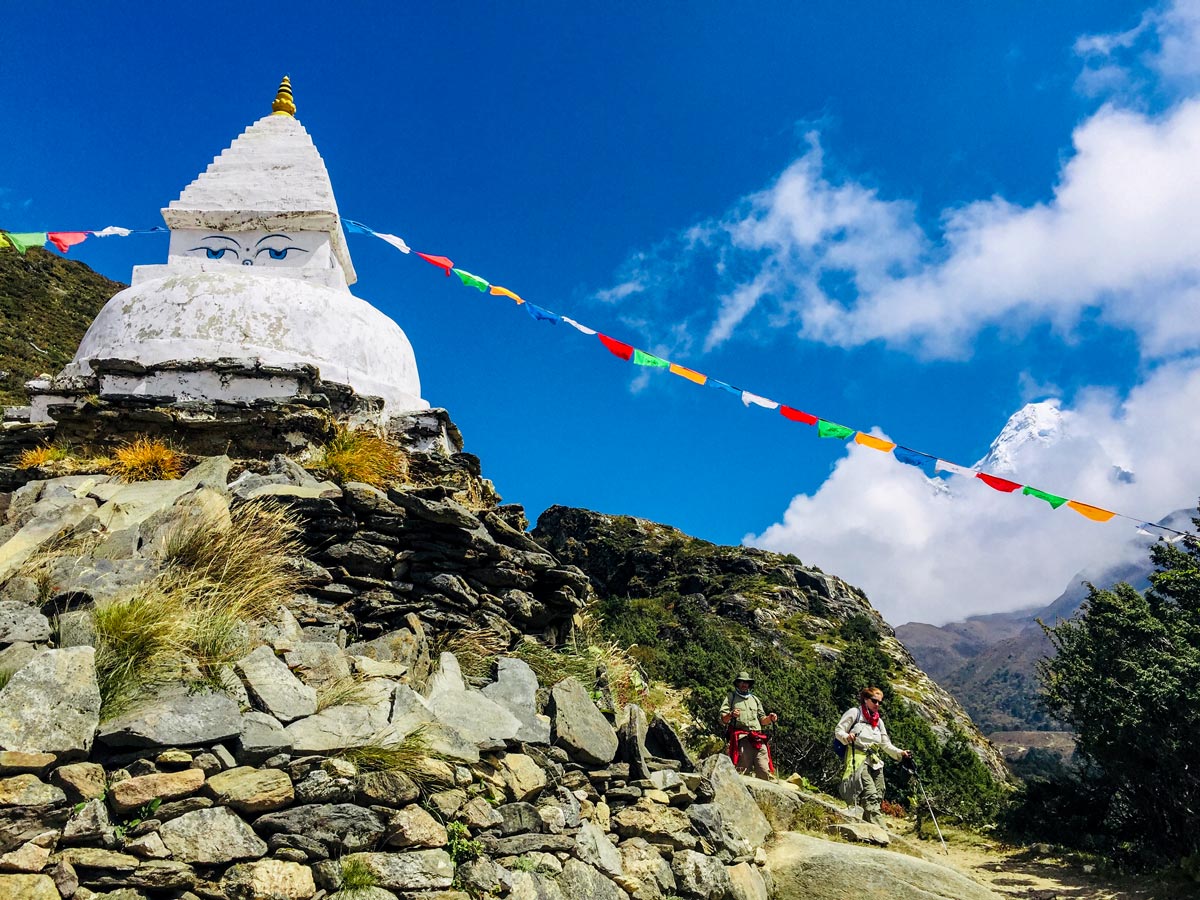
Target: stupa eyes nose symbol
(247,262)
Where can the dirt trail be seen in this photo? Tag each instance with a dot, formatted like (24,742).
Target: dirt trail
(1024,874)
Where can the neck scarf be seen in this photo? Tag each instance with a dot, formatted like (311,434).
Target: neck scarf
(870,716)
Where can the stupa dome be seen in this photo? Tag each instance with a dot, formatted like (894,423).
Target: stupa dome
(257,270)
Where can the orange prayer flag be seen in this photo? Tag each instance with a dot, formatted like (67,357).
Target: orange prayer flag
(1095,513)
(505,292)
(688,374)
(873,442)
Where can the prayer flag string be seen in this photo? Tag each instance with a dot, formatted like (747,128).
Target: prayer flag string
(930,465)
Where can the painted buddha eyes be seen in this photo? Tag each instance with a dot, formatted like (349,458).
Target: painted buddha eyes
(272,247)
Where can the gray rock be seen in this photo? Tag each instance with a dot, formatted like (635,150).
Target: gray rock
(595,849)
(274,688)
(702,877)
(29,790)
(21,622)
(14,656)
(579,726)
(519,818)
(52,704)
(420,870)
(19,824)
(101,579)
(40,529)
(803,866)
(294,472)
(413,828)
(746,883)
(339,727)
(521,844)
(319,663)
(656,823)
(515,688)
(742,818)
(341,828)
(450,743)
(581,880)
(863,832)
(469,711)
(535,886)
(28,887)
(647,875)
(631,737)
(319,786)
(261,737)
(77,628)
(268,879)
(89,824)
(211,837)
(178,719)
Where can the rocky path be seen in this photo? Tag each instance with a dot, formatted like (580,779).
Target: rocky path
(1024,873)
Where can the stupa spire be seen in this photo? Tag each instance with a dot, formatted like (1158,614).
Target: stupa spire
(284,105)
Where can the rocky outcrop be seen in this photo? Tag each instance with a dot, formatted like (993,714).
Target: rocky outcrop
(803,866)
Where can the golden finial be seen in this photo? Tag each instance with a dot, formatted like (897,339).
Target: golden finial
(284,105)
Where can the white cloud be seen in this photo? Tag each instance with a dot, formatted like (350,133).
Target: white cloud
(939,555)
(846,266)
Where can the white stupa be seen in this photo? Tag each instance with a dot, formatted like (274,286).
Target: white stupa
(256,277)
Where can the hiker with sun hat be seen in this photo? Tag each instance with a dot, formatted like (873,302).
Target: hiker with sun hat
(744,718)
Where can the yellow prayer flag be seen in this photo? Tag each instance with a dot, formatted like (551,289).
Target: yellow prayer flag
(505,292)
(874,443)
(1095,513)
(688,374)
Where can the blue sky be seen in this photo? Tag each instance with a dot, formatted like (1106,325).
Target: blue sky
(910,217)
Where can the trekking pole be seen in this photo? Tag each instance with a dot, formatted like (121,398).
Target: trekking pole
(912,767)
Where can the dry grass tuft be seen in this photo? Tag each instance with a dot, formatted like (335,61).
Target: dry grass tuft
(217,579)
(342,692)
(475,649)
(137,645)
(387,754)
(354,455)
(38,457)
(147,460)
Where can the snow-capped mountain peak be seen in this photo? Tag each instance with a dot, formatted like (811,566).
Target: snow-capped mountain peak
(1040,423)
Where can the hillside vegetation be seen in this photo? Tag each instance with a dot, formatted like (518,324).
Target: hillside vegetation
(46,304)
(694,614)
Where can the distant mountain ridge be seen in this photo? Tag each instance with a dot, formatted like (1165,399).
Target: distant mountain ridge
(47,303)
(989,663)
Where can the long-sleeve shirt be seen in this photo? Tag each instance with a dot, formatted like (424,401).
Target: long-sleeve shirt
(868,739)
(750,711)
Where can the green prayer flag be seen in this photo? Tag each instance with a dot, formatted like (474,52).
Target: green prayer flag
(472,280)
(833,430)
(23,240)
(641,358)
(1054,501)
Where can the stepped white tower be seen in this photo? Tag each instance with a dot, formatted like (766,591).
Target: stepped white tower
(255,283)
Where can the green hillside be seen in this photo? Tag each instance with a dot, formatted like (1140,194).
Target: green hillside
(47,303)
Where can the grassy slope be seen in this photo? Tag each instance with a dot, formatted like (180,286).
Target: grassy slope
(46,304)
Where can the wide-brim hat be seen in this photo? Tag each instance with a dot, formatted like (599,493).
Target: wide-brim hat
(743,676)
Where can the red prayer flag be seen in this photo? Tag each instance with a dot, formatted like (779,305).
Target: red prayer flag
(440,261)
(64,239)
(999,484)
(622,351)
(796,416)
